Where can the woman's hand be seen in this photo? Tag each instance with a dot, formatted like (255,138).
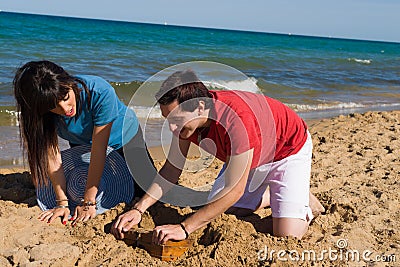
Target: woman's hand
(83,214)
(50,215)
(125,222)
(163,233)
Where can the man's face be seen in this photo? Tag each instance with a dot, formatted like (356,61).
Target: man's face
(183,122)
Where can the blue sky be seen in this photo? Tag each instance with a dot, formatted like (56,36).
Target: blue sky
(356,19)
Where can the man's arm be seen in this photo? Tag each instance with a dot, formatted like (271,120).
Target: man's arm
(164,180)
(236,175)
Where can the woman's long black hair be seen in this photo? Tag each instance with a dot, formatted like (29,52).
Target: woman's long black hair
(38,87)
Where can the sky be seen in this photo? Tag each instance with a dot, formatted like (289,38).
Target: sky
(354,19)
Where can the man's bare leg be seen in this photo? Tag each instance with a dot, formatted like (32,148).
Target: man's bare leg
(315,205)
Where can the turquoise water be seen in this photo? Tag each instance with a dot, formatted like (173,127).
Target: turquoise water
(315,76)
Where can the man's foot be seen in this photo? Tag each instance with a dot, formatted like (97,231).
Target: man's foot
(316,206)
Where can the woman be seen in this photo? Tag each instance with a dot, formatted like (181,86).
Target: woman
(81,109)
(266,148)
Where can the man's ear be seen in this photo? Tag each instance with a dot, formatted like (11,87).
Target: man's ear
(201,107)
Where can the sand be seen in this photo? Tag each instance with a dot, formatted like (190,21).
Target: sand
(355,174)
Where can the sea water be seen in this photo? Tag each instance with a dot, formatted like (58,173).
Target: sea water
(317,77)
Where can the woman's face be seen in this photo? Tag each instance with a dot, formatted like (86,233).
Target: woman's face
(67,106)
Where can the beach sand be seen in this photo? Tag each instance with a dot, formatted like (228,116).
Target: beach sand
(355,174)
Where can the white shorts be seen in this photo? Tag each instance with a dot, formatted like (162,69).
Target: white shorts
(288,181)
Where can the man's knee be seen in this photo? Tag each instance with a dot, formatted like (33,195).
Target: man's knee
(283,227)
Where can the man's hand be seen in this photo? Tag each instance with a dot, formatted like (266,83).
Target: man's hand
(163,233)
(125,222)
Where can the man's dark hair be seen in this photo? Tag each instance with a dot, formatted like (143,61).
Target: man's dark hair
(186,88)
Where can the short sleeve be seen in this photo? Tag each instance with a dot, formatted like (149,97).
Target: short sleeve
(104,102)
(242,133)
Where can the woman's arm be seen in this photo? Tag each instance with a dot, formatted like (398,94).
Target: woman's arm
(167,177)
(100,137)
(236,175)
(57,178)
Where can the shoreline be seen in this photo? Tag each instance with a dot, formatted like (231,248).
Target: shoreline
(12,145)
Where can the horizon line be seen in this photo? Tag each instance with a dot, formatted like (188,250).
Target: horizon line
(208,28)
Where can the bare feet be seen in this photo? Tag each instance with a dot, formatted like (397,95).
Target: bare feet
(316,206)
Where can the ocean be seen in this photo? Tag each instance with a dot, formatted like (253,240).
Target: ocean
(317,77)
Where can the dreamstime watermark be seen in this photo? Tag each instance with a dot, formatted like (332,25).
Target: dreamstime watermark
(339,253)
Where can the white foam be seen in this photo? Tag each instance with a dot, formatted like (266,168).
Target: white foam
(13,116)
(339,106)
(325,106)
(362,61)
(11,112)
(147,112)
(143,112)
(248,85)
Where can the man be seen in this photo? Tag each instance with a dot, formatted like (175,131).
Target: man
(266,148)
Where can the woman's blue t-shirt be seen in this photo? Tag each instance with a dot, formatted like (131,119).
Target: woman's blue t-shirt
(105,107)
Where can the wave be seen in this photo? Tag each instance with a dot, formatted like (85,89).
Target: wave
(315,111)
(143,112)
(8,117)
(249,85)
(361,61)
(324,106)
(340,106)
